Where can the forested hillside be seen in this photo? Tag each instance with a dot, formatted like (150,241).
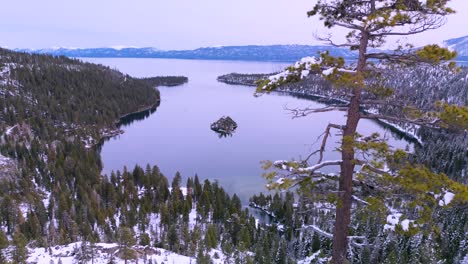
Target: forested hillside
(444,151)
(54,110)
(56,205)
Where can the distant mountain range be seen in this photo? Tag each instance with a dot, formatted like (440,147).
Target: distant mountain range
(460,45)
(286,53)
(283,53)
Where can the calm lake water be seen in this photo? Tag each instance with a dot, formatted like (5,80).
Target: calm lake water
(177,137)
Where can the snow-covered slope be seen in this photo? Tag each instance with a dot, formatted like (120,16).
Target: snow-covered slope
(103,253)
(460,45)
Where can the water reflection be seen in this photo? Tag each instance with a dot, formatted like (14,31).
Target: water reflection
(222,134)
(137,116)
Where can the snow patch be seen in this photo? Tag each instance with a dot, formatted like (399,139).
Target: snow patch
(447,198)
(328,71)
(310,258)
(67,253)
(121,47)
(394,219)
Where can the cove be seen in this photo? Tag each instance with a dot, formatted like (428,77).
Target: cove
(177,136)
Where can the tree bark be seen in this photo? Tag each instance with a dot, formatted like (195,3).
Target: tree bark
(343,208)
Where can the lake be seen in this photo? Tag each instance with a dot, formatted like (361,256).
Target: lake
(177,137)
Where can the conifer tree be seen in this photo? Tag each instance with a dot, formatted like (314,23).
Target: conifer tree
(369,24)
(126,241)
(3,244)
(20,252)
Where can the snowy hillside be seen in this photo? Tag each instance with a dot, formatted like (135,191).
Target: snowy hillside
(460,45)
(102,253)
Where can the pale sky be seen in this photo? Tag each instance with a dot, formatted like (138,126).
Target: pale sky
(175,24)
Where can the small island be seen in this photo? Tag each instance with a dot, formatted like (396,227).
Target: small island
(224,126)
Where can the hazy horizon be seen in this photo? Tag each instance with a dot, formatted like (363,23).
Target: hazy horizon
(178,24)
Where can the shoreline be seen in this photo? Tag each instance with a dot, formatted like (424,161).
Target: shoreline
(141,110)
(110,132)
(331,100)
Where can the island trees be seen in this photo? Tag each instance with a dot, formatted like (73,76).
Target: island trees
(370,23)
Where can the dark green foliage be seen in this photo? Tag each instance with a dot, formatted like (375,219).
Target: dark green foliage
(165,80)
(61,90)
(20,252)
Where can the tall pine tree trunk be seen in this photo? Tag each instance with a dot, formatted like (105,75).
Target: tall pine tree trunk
(343,207)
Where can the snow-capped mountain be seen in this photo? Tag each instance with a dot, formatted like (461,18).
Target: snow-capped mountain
(286,53)
(460,45)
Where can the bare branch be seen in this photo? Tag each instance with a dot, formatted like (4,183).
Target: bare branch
(296,113)
(422,25)
(325,135)
(357,199)
(318,230)
(330,42)
(350,26)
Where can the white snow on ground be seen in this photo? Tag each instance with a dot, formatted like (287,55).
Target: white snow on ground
(5,77)
(182,189)
(4,160)
(465,260)
(66,255)
(310,258)
(104,252)
(394,219)
(24,208)
(46,199)
(446,198)
(328,71)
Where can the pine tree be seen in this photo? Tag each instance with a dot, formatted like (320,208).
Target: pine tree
(211,240)
(20,252)
(3,244)
(173,238)
(126,241)
(369,24)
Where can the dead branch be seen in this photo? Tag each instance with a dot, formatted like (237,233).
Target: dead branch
(325,135)
(296,113)
(357,199)
(330,42)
